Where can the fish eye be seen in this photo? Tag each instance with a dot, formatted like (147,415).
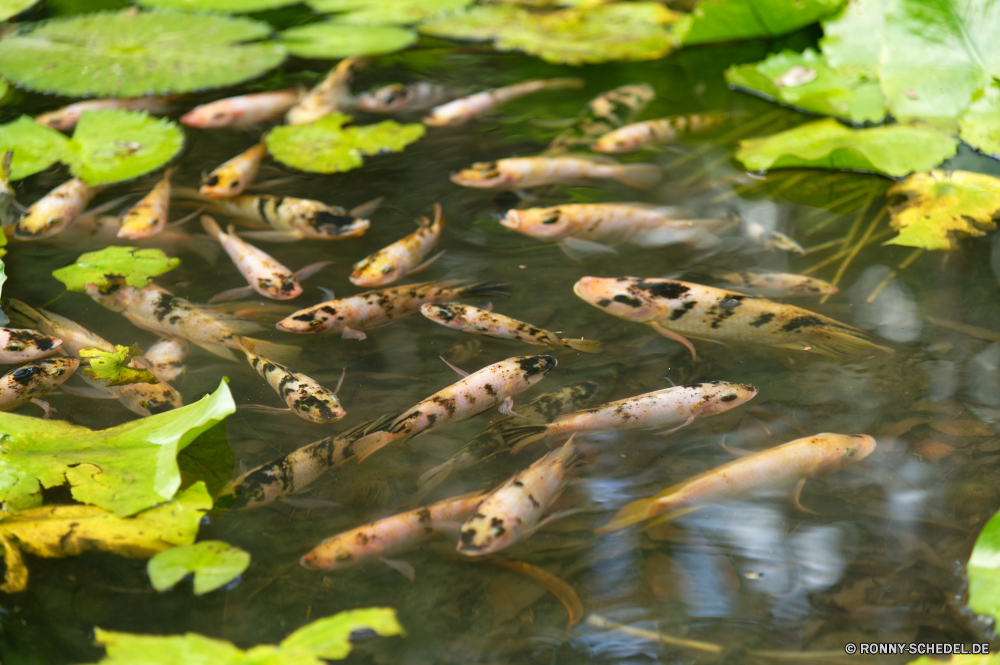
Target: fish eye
(850,452)
(551,219)
(58,372)
(343,556)
(13,348)
(728,397)
(144,404)
(314,323)
(24,373)
(388,269)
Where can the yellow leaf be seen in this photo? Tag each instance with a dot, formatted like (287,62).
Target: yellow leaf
(115,368)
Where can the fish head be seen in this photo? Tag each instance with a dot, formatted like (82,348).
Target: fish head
(485,534)
(719,396)
(116,296)
(62,120)
(543,223)
(207,116)
(843,450)
(22,345)
(386,99)
(483,175)
(618,296)
(377,270)
(810,286)
(319,319)
(449,314)
(534,368)
(322,222)
(318,407)
(44,375)
(279,287)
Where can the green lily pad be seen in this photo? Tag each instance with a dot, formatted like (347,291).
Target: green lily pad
(895,150)
(115,145)
(852,38)
(326,146)
(330,638)
(984,571)
(137,266)
(979,126)
(625,31)
(213,563)
(121,54)
(35,146)
(228,6)
(10,8)
(397,12)
(966,659)
(111,368)
(730,20)
(123,469)
(340,40)
(209,459)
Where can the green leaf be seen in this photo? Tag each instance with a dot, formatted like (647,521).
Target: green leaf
(137,266)
(626,31)
(10,8)
(979,126)
(966,659)
(730,20)
(339,40)
(118,54)
(894,150)
(806,81)
(852,38)
(111,369)
(330,638)
(325,146)
(35,146)
(229,6)
(213,562)
(984,571)
(123,469)
(115,145)
(388,11)
(208,459)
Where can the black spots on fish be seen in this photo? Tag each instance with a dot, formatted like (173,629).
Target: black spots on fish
(329,218)
(211,180)
(627,300)
(662,289)
(262,202)
(158,406)
(534,365)
(534,502)
(362,538)
(728,397)
(490,390)
(431,419)
(725,314)
(682,310)
(761,320)
(448,403)
(320,410)
(384,300)
(468,537)
(603,302)
(163,307)
(517,483)
(800,322)
(424,515)
(175,319)
(445,313)
(283,387)
(25,375)
(305,317)
(497,524)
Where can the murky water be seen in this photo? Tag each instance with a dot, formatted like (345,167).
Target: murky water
(879,561)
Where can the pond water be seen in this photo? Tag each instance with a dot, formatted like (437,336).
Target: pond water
(880,560)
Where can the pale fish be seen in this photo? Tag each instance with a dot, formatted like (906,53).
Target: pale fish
(514,510)
(602,114)
(653,132)
(147,399)
(305,397)
(349,316)
(20,345)
(166,357)
(73,336)
(53,212)
(233,176)
(8,216)
(388,536)
(678,310)
(242,110)
(31,382)
(332,94)
(791,463)
(294,219)
(491,386)
(775,284)
(149,216)
(528,172)
(403,257)
(481,322)
(772,240)
(65,119)
(399,98)
(462,110)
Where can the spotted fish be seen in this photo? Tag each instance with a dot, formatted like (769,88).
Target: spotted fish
(166,357)
(602,114)
(653,132)
(462,110)
(305,397)
(232,177)
(528,172)
(403,257)
(65,119)
(242,110)
(333,93)
(19,345)
(149,216)
(481,322)
(53,212)
(33,381)
(399,98)
(293,219)
(775,284)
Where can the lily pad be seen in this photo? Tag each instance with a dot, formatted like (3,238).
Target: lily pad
(208,459)
(228,6)
(388,11)
(852,38)
(940,205)
(115,145)
(340,40)
(979,126)
(35,146)
(730,20)
(59,531)
(213,563)
(137,266)
(112,368)
(895,150)
(984,571)
(10,8)
(124,54)
(123,469)
(326,146)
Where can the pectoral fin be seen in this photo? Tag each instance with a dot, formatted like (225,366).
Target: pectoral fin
(586,250)
(670,334)
(231,294)
(401,566)
(349,333)
(311,269)
(461,372)
(426,263)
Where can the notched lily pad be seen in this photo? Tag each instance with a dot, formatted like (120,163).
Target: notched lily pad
(35,147)
(115,145)
(136,266)
(340,40)
(212,562)
(397,12)
(112,368)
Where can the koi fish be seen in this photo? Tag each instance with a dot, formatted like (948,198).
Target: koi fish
(72,335)
(675,408)
(305,397)
(332,94)
(399,98)
(481,322)
(491,386)
(772,240)
(462,110)
(65,119)
(93,231)
(294,219)
(791,463)
(403,257)
(388,536)
(602,114)
(242,110)
(7,196)
(19,345)
(652,132)
(148,217)
(233,176)
(513,510)
(33,381)
(349,316)
(147,399)
(53,212)
(166,357)
(675,309)
(776,284)
(528,172)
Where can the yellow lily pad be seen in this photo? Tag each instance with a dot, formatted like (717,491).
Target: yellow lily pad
(112,369)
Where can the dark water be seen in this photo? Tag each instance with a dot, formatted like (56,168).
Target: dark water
(881,561)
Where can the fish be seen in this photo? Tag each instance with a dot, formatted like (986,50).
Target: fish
(462,110)
(388,536)
(147,399)
(791,463)
(73,336)
(95,231)
(403,257)
(679,309)
(293,219)
(232,177)
(772,240)
(65,119)
(353,314)
(775,284)
(53,212)
(481,322)
(652,132)
(515,509)
(528,172)
(674,408)
(19,345)
(399,98)
(8,199)
(32,381)
(602,114)
(242,110)
(149,216)
(491,386)
(166,357)
(305,397)
(333,93)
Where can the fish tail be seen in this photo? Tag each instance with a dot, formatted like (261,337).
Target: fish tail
(518,437)
(568,83)
(372,443)
(496,287)
(837,343)
(633,513)
(23,314)
(640,176)
(279,353)
(436,476)
(585,345)
(211,226)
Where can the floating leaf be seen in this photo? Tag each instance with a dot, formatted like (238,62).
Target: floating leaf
(339,40)
(894,150)
(330,638)
(852,38)
(979,126)
(388,11)
(230,6)
(137,266)
(59,531)
(941,204)
(729,20)
(35,146)
(112,369)
(209,459)
(124,54)
(10,8)
(115,145)
(626,31)
(984,571)
(213,563)
(123,469)
(325,146)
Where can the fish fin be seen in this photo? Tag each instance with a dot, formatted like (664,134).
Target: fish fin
(106,206)
(400,566)
(839,343)
(261,408)
(426,263)
(461,372)
(273,236)
(797,496)
(327,293)
(90,392)
(517,438)
(735,452)
(496,287)
(349,333)
(690,419)
(185,219)
(633,513)
(670,334)
(558,515)
(366,208)
(640,176)
(311,269)
(584,345)
(231,294)
(279,353)
(488,307)
(341,381)
(672,515)
(434,477)
(217,349)
(585,250)
(44,406)
(507,407)
(525,195)
(372,443)
(203,246)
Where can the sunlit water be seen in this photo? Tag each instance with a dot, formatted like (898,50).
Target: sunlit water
(880,561)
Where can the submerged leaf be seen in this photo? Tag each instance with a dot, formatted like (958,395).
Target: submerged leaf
(388,11)
(729,20)
(137,266)
(112,369)
(213,563)
(979,126)
(984,571)
(340,40)
(895,150)
(232,6)
(124,54)
(209,459)
(35,146)
(941,204)
(115,145)
(9,8)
